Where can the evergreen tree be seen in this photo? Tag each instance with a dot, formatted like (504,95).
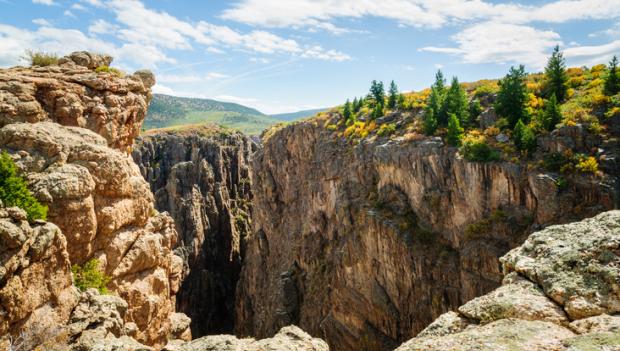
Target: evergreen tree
(430,121)
(377,111)
(392,96)
(346,112)
(517,134)
(377,93)
(512,96)
(528,140)
(456,102)
(400,103)
(556,78)
(474,109)
(354,105)
(552,114)
(435,103)
(612,80)
(455,131)
(441,108)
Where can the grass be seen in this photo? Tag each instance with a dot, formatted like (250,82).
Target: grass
(107,69)
(89,276)
(42,59)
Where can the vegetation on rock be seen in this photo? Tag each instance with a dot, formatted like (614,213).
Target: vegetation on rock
(14,190)
(39,58)
(90,276)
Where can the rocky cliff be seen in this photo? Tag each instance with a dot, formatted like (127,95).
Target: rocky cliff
(560,292)
(201,176)
(95,194)
(365,243)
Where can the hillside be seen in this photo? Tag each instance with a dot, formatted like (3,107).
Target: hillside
(166,111)
(292,116)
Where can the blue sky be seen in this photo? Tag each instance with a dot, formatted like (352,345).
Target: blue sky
(287,55)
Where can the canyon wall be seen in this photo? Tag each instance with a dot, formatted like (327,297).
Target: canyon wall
(202,177)
(50,117)
(364,243)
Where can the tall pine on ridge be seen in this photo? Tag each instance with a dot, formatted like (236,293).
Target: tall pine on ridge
(556,78)
(612,80)
(392,96)
(512,97)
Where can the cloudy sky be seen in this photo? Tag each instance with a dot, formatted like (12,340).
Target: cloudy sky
(286,55)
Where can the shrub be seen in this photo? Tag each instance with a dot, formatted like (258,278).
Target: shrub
(14,190)
(477,150)
(89,276)
(386,129)
(39,58)
(111,70)
(587,165)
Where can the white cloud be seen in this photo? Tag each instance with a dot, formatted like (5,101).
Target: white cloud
(41,22)
(162,89)
(591,55)
(95,3)
(418,13)
(44,2)
(259,60)
(502,43)
(69,14)
(102,27)
(191,78)
(214,50)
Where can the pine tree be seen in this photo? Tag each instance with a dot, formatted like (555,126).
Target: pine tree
(517,134)
(455,131)
(552,114)
(377,93)
(400,103)
(354,105)
(474,109)
(435,103)
(392,96)
(612,80)
(512,96)
(456,102)
(377,111)
(441,108)
(528,140)
(430,121)
(556,78)
(346,112)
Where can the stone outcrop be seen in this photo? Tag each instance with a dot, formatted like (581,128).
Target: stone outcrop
(73,94)
(103,206)
(364,244)
(201,176)
(36,290)
(561,292)
(288,338)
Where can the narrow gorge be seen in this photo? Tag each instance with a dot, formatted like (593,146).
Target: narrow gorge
(308,239)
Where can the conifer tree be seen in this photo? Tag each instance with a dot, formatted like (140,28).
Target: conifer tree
(377,93)
(556,78)
(400,103)
(434,104)
(524,137)
(430,121)
(455,131)
(346,112)
(377,111)
(354,105)
(612,80)
(552,114)
(456,102)
(517,134)
(392,96)
(512,96)
(474,109)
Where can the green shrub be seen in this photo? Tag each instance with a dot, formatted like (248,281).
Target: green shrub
(14,190)
(555,161)
(111,70)
(39,58)
(477,150)
(386,129)
(89,276)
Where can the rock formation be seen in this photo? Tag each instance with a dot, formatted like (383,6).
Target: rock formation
(560,292)
(73,94)
(201,176)
(288,338)
(364,244)
(95,193)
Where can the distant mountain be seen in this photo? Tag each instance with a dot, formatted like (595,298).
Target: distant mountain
(167,111)
(292,116)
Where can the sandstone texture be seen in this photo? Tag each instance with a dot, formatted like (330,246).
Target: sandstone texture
(202,177)
(103,206)
(364,243)
(73,94)
(289,338)
(538,299)
(36,290)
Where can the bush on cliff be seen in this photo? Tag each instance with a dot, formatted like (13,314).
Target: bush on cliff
(39,58)
(89,276)
(476,149)
(14,190)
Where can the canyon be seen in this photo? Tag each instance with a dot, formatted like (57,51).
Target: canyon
(305,240)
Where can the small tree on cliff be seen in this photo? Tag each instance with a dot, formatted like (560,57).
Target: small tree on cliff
(612,79)
(346,111)
(456,102)
(14,190)
(392,96)
(556,78)
(377,93)
(512,96)
(455,131)
(552,114)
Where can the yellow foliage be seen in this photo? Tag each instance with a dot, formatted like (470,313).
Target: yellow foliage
(534,101)
(491,131)
(587,165)
(575,71)
(570,92)
(600,99)
(576,81)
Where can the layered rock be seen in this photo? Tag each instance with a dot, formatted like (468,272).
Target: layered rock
(103,206)
(363,244)
(561,292)
(201,176)
(73,94)
(36,290)
(288,338)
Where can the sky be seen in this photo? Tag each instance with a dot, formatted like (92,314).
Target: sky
(288,55)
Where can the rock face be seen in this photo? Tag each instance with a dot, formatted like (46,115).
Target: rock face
(364,244)
(103,206)
(72,94)
(202,178)
(36,290)
(288,338)
(561,292)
